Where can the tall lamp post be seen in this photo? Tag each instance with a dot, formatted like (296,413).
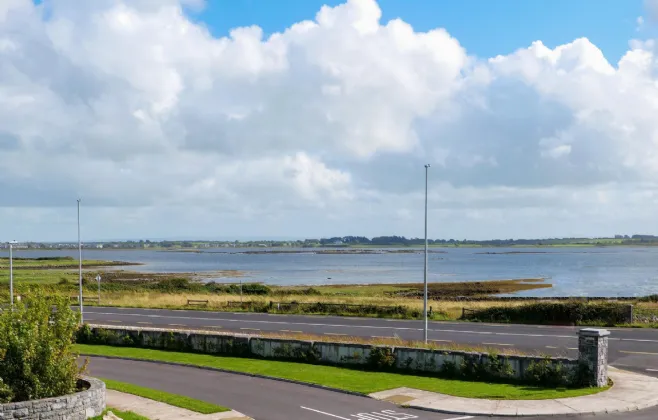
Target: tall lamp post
(11,272)
(425,273)
(80,264)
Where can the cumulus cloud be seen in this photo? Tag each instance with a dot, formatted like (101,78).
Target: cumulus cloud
(320,129)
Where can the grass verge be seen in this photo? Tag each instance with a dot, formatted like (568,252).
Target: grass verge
(364,382)
(165,397)
(125,415)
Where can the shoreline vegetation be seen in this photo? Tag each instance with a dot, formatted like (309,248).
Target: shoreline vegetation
(221,291)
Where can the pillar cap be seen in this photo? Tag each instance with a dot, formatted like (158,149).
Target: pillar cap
(594,332)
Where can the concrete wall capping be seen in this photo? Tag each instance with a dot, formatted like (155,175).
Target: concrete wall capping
(79,406)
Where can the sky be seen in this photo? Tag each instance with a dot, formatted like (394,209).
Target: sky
(233,119)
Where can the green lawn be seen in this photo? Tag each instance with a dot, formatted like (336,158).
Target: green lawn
(165,397)
(125,415)
(364,382)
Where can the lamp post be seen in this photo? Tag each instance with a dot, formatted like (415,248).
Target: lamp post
(11,272)
(80,264)
(425,273)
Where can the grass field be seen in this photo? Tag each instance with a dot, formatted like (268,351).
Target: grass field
(165,397)
(364,382)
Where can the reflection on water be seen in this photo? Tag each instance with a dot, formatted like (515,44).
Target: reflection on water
(621,271)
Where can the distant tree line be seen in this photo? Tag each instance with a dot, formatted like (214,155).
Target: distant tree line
(338,241)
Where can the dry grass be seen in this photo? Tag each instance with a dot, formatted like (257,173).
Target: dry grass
(219,302)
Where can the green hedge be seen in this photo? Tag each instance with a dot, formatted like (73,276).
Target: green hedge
(556,313)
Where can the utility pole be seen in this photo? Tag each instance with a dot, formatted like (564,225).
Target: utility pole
(80,265)
(425,274)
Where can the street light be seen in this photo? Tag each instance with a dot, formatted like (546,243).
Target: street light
(425,276)
(11,272)
(80,264)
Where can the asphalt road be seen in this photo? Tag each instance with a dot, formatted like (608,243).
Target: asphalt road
(265,399)
(631,349)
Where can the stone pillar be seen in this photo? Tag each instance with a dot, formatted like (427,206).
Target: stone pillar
(593,352)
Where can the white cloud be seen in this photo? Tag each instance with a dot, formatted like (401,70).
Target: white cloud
(320,129)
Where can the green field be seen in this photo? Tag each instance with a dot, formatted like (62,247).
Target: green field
(364,382)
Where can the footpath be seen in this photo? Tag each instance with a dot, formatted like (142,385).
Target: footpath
(155,410)
(630,392)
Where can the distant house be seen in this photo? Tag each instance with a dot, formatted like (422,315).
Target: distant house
(338,242)
(99,246)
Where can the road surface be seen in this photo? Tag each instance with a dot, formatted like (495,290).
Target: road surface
(266,399)
(631,349)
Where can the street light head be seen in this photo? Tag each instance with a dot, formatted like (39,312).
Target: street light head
(13,242)
(427,166)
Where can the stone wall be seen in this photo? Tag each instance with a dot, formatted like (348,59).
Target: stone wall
(406,358)
(79,406)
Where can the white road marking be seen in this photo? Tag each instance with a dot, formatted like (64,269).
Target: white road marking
(383,415)
(334,334)
(497,344)
(461,418)
(551,347)
(572,348)
(315,324)
(177,325)
(441,341)
(652,370)
(638,352)
(322,412)
(382,336)
(250,329)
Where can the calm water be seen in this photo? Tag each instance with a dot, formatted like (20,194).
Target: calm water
(572,271)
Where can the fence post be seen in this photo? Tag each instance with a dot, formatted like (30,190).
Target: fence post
(593,352)
(463,313)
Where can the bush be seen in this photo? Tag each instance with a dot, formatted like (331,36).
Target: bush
(381,358)
(36,353)
(249,289)
(548,374)
(561,313)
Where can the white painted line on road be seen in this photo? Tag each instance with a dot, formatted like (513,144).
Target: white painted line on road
(638,352)
(250,329)
(572,348)
(322,412)
(177,325)
(652,370)
(441,341)
(497,344)
(461,418)
(382,336)
(144,322)
(212,326)
(113,321)
(551,347)
(334,334)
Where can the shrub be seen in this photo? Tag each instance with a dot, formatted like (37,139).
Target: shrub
(549,374)
(36,353)
(560,313)
(381,358)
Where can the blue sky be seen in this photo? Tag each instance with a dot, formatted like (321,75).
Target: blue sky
(486,28)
